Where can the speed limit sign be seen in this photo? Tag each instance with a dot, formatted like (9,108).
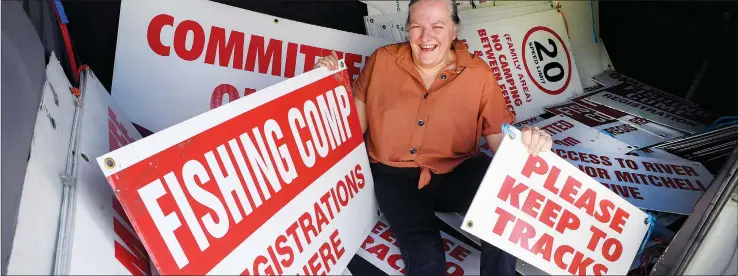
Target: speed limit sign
(547,62)
(530,58)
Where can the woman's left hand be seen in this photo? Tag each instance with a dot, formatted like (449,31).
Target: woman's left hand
(536,140)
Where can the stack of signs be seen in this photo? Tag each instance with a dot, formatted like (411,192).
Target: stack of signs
(381,250)
(567,132)
(174,61)
(48,177)
(657,129)
(671,186)
(622,131)
(546,212)
(102,235)
(274,183)
(638,99)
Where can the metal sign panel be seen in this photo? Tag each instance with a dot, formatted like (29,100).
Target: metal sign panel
(567,132)
(546,212)
(261,185)
(44,187)
(381,250)
(634,107)
(102,233)
(624,132)
(173,61)
(659,99)
(671,186)
(530,58)
(637,121)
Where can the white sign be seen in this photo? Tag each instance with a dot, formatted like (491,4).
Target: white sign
(381,250)
(659,99)
(567,132)
(173,60)
(276,183)
(104,241)
(671,186)
(484,147)
(632,106)
(658,129)
(624,132)
(549,214)
(530,58)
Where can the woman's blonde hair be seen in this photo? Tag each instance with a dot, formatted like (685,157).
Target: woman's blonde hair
(454,15)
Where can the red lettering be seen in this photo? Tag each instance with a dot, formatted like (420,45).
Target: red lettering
(326,256)
(594,240)
(270,54)
(604,215)
(522,232)
(570,188)
(180,40)
(153,33)
(314,265)
(534,164)
(351,68)
(511,191)
(559,255)
(551,180)
(618,220)
(336,244)
(568,221)
(306,225)
(218,44)
(453,269)
(282,250)
(501,223)
(599,269)
(579,264)
(532,203)
(393,260)
(550,211)
(290,64)
(216,99)
(310,53)
(543,246)
(273,256)
(460,253)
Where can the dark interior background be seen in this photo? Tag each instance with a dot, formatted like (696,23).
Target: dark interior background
(662,43)
(676,46)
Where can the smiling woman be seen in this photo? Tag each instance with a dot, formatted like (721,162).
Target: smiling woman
(425,104)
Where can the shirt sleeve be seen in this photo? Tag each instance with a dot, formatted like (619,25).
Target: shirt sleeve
(361,84)
(493,111)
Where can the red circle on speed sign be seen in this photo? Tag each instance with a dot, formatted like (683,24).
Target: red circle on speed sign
(551,53)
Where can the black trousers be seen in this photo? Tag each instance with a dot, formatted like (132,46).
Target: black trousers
(410,213)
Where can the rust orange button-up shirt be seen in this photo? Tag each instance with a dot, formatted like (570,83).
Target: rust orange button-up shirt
(435,129)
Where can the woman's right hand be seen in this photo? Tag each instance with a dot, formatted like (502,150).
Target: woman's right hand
(330,61)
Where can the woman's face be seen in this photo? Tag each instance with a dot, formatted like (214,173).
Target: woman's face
(431,32)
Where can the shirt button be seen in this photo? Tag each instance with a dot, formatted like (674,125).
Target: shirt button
(443,76)
(426,95)
(421,122)
(413,151)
